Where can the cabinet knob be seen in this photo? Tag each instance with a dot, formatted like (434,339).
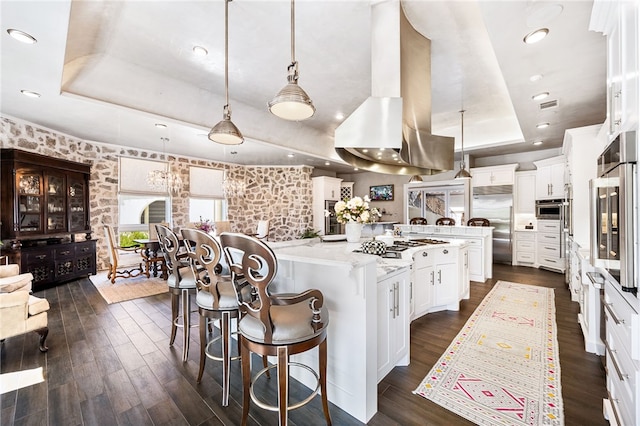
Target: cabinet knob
(425,254)
(445,251)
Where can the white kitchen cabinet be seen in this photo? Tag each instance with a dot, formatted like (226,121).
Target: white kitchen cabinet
(325,188)
(393,322)
(550,247)
(550,178)
(438,279)
(464,259)
(524,193)
(422,282)
(494,175)
(525,248)
(475,260)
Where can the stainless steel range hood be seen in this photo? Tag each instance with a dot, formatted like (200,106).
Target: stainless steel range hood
(391,131)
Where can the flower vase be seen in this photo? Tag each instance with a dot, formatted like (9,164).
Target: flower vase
(353,231)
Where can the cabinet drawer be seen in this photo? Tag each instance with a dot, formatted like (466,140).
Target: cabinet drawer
(551,262)
(525,236)
(526,246)
(36,256)
(551,226)
(444,255)
(622,377)
(525,257)
(62,253)
(423,258)
(549,250)
(624,321)
(474,242)
(549,238)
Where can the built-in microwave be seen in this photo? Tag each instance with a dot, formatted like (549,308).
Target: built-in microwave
(549,209)
(614,216)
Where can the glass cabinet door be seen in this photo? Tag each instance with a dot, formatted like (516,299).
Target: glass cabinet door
(77,210)
(56,210)
(30,193)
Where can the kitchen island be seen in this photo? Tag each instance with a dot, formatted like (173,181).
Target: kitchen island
(369,299)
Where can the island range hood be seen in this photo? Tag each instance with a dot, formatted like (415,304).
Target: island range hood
(390,132)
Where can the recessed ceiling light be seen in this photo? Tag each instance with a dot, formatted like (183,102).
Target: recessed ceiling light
(540,96)
(365,150)
(30,94)
(290,155)
(200,51)
(537,143)
(161,126)
(542,125)
(381,149)
(22,36)
(339,116)
(355,169)
(536,36)
(326,163)
(536,77)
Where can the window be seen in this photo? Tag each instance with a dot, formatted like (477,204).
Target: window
(137,211)
(206,199)
(433,200)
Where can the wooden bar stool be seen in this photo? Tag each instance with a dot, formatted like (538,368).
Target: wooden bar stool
(277,325)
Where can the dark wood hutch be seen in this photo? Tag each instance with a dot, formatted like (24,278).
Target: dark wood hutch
(45,203)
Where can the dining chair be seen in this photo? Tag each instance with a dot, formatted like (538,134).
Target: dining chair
(278,325)
(154,258)
(181,282)
(216,299)
(478,221)
(222,226)
(124,262)
(417,221)
(447,221)
(262,230)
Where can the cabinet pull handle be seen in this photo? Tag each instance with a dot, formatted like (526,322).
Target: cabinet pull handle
(613,316)
(41,256)
(621,376)
(432,280)
(66,252)
(445,251)
(440,276)
(425,254)
(396,299)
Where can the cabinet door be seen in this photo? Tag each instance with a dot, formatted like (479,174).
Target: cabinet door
(423,289)
(332,189)
(525,200)
(556,179)
(385,311)
(481,177)
(476,270)
(77,197)
(543,182)
(502,177)
(56,199)
(30,194)
(446,279)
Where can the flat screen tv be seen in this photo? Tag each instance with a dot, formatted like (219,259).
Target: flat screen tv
(381,193)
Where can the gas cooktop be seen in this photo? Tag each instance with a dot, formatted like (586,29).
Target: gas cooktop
(395,251)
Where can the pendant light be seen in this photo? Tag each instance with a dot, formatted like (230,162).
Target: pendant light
(292,103)
(225,132)
(462,173)
(415,178)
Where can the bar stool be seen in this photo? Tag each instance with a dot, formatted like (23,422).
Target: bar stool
(277,325)
(447,221)
(181,281)
(216,300)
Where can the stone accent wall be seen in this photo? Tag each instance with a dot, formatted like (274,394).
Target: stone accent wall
(282,195)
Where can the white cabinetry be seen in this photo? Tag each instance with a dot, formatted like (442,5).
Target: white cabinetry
(550,246)
(525,252)
(550,178)
(524,193)
(494,175)
(325,188)
(438,280)
(622,342)
(393,322)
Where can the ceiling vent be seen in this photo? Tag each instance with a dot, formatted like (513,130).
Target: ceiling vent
(548,104)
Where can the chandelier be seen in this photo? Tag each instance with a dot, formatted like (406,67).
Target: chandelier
(164,180)
(232,188)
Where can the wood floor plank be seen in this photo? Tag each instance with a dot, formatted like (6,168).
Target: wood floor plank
(94,366)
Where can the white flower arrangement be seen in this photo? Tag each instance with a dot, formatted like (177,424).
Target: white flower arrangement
(355,210)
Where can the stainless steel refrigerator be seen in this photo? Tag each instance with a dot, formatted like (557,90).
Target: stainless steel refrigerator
(496,204)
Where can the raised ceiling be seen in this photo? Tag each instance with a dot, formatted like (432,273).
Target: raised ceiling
(109,70)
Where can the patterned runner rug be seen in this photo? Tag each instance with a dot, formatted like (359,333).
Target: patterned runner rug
(127,288)
(503,368)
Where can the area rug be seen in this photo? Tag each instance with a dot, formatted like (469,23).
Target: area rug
(127,288)
(503,368)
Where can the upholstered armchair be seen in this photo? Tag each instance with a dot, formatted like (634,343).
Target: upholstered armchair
(21,312)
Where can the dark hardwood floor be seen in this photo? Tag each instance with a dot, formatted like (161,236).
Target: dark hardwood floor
(111,364)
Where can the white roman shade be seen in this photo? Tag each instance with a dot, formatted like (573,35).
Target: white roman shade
(133,175)
(204,182)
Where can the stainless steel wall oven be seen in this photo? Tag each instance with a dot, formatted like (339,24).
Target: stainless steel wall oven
(549,209)
(614,212)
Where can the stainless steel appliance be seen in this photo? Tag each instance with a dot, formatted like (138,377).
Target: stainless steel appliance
(331,225)
(614,229)
(395,251)
(496,204)
(549,209)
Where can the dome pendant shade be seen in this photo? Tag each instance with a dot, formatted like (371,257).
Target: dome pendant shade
(225,132)
(415,178)
(462,173)
(292,102)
